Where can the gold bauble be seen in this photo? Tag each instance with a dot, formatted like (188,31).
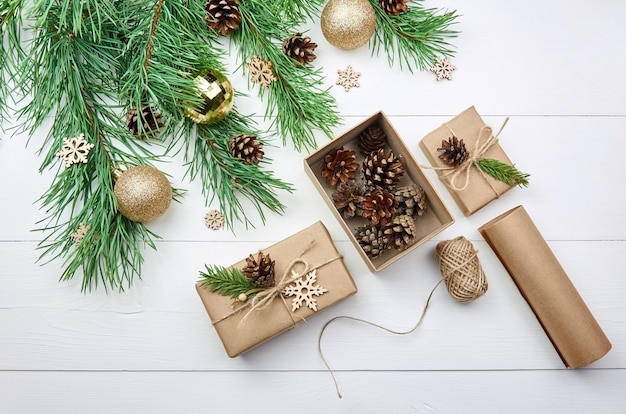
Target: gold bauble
(143,193)
(217,95)
(348,24)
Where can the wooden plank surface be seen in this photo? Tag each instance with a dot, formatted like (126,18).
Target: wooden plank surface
(555,69)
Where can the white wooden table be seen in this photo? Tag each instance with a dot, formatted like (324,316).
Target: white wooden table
(555,68)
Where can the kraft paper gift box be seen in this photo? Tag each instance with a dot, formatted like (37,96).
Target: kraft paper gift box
(435,219)
(542,281)
(312,246)
(481,188)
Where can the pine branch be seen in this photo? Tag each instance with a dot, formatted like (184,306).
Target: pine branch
(226,281)
(11,51)
(296,12)
(415,38)
(296,99)
(506,173)
(71,71)
(227,178)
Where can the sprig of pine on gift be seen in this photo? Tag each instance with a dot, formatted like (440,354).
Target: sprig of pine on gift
(86,62)
(295,97)
(411,33)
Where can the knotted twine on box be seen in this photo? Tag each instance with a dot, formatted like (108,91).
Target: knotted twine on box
(460,271)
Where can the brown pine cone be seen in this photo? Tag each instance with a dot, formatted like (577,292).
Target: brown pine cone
(382,169)
(453,151)
(300,48)
(151,122)
(379,206)
(223,16)
(339,166)
(394,7)
(348,198)
(370,239)
(400,233)
(411,200)
(370,140)
(246,148)
(260,271)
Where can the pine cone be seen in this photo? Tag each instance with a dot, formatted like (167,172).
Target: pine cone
(411,200)
(370,239)
(348,198)
(151,122)
(383,170)
(259,272)
(246,148)
(379,207)
(453,151)
(400,233)
(370,140)
(394,7)
(339,166)
(300,48)
(223,16)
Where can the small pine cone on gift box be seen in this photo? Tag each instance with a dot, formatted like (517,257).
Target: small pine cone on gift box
(339,166)
(370,239)
(300,48)
(372,139)
(411,200)
(394,7)
(383,169)
(379,206)
(260,271)
(400,233)
(151,121)
(453,151)
(246,148)
(349,197)
(223,16)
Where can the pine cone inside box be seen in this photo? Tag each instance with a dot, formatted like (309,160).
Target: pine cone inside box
(377,191)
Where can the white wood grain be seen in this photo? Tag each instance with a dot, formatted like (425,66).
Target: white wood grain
(555,69)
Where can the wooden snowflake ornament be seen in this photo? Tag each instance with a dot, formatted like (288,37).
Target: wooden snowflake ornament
(214,219)
(304,289)
(75,150)
(348,78)
(261,71)
(442,68)
(80,233)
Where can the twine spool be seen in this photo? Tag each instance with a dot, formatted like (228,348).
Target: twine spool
(461,270)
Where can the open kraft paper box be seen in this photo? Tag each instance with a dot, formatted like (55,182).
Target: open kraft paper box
(312,245)
(435,219)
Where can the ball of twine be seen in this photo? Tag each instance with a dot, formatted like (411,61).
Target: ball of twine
(461,269)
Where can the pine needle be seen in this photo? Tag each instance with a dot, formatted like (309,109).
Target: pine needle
(506,173)
(226,281)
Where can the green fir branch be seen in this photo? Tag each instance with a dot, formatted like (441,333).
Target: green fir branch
(506,173)
(227,178)
(71,71)
(296,12)
(227,281)
(414,38)
(296,101)
(11,51)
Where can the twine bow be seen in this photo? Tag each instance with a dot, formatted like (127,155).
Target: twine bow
(463,170)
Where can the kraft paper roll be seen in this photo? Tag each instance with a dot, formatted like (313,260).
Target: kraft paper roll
(565,318)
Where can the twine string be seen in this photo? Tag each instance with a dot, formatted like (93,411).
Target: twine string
(352,318)
(265,297)
(484,141)
(461,270)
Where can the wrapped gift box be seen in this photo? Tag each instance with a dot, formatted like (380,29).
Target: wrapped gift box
(481,188)
(436,217)
(313,246)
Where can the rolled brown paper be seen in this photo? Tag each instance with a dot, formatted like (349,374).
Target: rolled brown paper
(565,318)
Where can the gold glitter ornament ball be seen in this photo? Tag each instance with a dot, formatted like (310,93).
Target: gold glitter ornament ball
(143,193)
(217,97)
(348,24)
